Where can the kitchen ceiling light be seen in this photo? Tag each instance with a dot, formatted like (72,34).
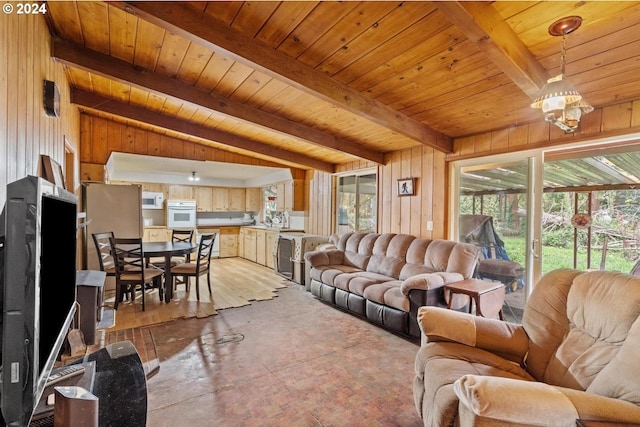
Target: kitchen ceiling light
(560,102)
(193,177)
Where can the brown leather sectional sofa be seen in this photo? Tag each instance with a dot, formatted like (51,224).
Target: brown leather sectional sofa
(387,277)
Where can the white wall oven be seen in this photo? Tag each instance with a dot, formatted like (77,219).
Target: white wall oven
(181,214)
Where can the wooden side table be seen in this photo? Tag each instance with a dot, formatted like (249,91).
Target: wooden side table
(488,296)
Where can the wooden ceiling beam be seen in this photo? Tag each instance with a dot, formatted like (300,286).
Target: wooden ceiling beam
(91,61)
(99,103)
(197,27)
(483,25)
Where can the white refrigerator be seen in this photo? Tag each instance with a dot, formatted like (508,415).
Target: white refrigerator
(116,208)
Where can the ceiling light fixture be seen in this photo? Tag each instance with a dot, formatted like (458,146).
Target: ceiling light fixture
(560,102)
(193,177)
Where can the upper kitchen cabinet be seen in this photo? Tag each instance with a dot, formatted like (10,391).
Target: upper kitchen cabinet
(220,199)
(154,187)
(180,192)
(204,199)
(291,195)
(253,199)
(237,199)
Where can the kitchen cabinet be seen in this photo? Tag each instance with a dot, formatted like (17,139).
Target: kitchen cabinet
(156,234)
(237,199)
(204,199)
(261,236)
(253,199)
(219,199)
(180,192)
(270,237)
(241,237)
(257,245)
(229,241)
(154,187)
(290,195)
(250,248)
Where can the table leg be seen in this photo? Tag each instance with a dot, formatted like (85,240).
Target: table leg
(168,280)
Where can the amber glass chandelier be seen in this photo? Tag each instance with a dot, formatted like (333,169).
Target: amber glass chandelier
(560,102)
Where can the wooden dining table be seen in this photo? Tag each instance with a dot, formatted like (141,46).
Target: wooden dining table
(167,250)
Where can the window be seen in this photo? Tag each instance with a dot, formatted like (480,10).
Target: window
(357,202)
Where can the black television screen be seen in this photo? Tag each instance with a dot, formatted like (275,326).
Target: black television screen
(38,290)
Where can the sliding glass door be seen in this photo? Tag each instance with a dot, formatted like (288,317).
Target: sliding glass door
(357,202)
(496,207)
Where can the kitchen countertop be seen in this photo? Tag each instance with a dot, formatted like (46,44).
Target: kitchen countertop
(253,227)
(275,229)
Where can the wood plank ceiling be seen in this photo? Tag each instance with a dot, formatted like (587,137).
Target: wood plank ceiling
(312,84)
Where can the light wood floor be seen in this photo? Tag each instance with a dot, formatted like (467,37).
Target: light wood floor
(235,282)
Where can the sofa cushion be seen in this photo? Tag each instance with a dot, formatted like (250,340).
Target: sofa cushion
(389,253)
(415,259)
(358,280)
(437,254)
(545,320)
(329,275)
(440,364)
(365,279)
(388,293)
(463,259)
(601,341)
(357,248)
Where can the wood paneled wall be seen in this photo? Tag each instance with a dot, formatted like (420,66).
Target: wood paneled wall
(396,214)
(320,203)
(613,120)
(25,130)
(100,137)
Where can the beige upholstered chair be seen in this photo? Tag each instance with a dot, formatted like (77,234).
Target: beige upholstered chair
(575,356)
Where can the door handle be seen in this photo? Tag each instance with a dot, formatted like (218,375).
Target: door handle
(534,248)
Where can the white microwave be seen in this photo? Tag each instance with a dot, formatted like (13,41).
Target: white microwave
(152,200)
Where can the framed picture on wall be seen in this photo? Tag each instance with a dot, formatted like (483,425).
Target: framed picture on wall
(52,171)
(406,186)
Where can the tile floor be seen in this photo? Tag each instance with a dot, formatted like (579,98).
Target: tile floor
(292,361)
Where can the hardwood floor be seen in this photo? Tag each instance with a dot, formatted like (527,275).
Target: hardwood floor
(235,282)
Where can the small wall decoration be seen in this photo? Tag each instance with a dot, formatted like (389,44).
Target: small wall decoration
(406,186)
(52,171)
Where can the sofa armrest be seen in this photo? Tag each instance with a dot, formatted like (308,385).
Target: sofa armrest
(509,401)
(327,257)
(505,339)
(423,281)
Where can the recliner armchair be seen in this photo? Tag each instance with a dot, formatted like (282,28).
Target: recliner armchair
(575,356)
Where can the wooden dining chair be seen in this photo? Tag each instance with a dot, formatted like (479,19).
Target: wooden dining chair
(103,250)
(177,236)
(131,270)
(198,268)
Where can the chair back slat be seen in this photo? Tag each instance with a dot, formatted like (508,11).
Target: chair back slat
(182,236)
(204,251)
(103,249)
(128,254)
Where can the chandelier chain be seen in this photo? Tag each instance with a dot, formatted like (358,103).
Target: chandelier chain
(563,55)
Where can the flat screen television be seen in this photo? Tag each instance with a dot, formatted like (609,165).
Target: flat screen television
(37,290)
